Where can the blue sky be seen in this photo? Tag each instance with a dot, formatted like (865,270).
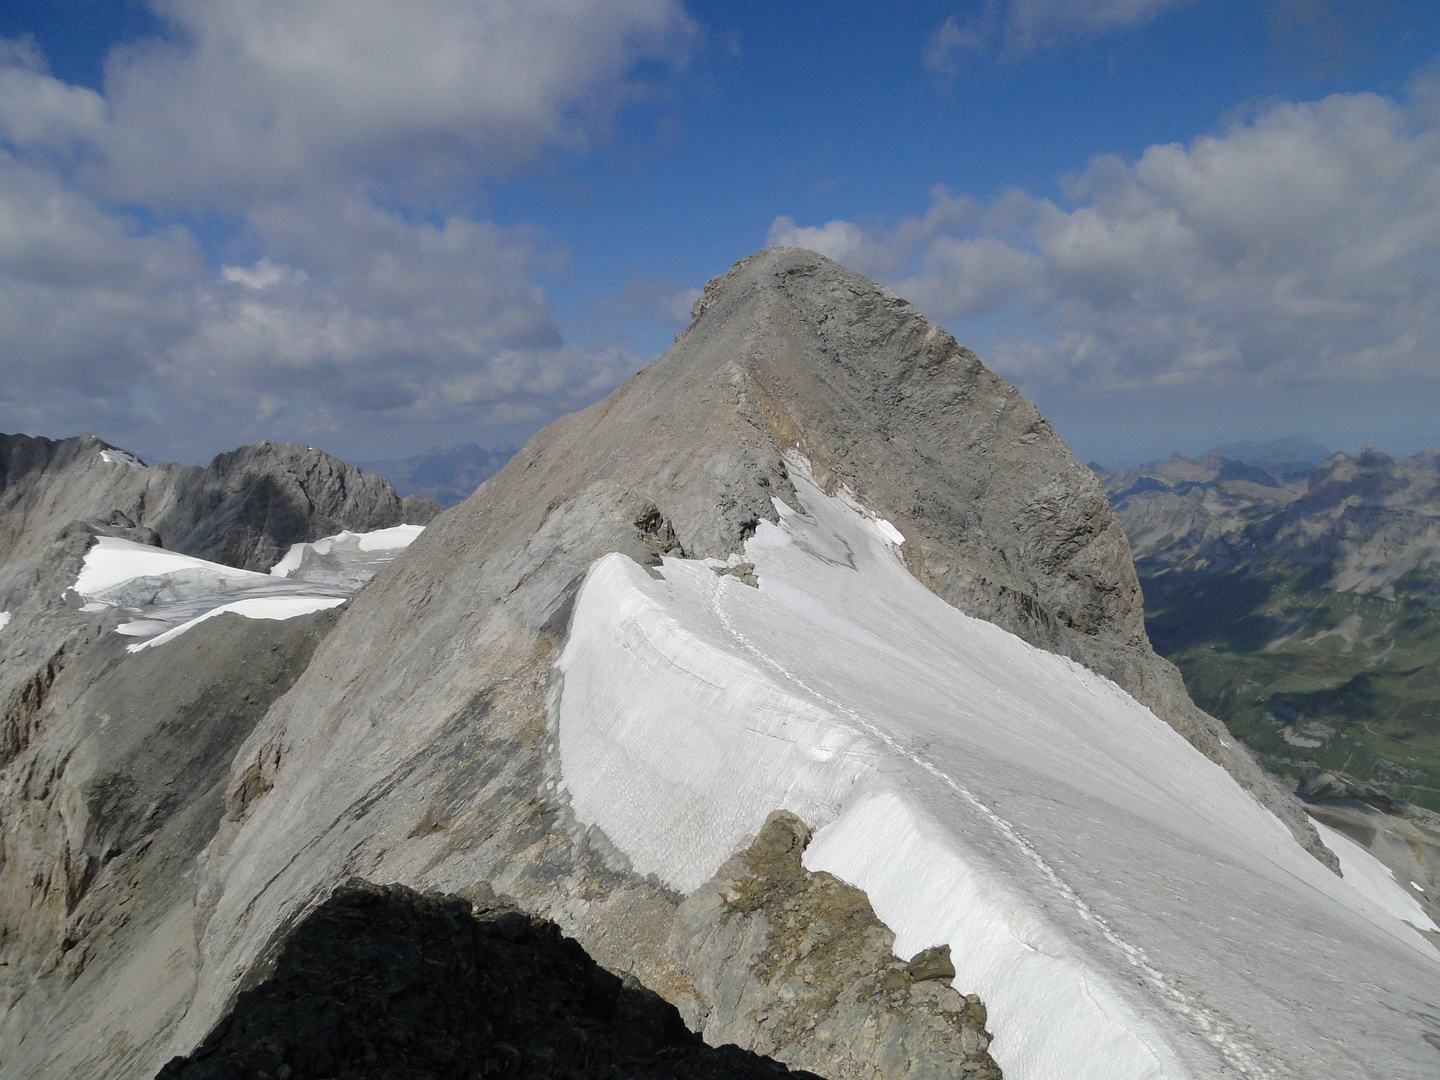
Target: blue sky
(381,227)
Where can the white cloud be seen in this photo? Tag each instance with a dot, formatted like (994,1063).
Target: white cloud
(273,95)
(947,49)
(297,122)
(397,325)
(262,275)
(1298,246)
(973,276)
(37,110)
(1016,28)
(842,241)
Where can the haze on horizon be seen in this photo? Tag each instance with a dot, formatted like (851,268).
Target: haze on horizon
(380,228)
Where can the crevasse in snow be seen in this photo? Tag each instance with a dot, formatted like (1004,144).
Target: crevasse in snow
(1122,906)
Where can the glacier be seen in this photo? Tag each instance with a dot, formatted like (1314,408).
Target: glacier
(1123,907)
(165,593)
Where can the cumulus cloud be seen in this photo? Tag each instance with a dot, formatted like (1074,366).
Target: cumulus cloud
(327,134)
(387,324)
(38,110)
(1299,246)
(274,94)
(843,241)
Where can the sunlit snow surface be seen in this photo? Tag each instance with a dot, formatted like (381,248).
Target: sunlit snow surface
(166,593)
(4,619)
(121,457)
(347,558)
(1122,906)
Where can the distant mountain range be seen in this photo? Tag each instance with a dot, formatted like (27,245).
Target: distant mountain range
(447,476)
(1301,601)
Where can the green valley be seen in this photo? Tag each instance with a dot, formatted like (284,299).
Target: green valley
(1303,610)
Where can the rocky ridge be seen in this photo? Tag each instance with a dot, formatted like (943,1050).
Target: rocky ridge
(1368,522)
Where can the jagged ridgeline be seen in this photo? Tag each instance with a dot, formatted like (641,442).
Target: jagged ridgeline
(846,818)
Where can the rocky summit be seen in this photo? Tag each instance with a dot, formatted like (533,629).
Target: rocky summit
(172,857)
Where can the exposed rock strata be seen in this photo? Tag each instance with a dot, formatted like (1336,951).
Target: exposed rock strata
(783,960)
(107,804)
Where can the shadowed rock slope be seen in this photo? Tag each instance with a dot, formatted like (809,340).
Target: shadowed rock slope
(386,982)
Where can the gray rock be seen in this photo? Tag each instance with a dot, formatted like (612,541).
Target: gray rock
(245,509)
(796,965)
(109,799)
(418,510)
(931,963)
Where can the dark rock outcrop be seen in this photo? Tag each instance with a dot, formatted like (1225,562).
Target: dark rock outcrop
(418,510)
(780,957)
(388,982)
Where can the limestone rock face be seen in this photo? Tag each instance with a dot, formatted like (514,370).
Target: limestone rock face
(784,958)
(112,786)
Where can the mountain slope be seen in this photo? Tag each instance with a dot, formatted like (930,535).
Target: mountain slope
(1015,806)
(1089,870)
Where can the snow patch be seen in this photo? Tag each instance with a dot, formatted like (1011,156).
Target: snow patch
(121,457)
(346,557)
(278,608)
(4,619)
(112,563)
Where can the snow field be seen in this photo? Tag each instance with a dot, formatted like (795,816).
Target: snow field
(1373,880)
(4,619)
(278,608)
(1089,868)
(121,457)
(112,562)
(393,540)
(169,593)
(669,720)
(923,889)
